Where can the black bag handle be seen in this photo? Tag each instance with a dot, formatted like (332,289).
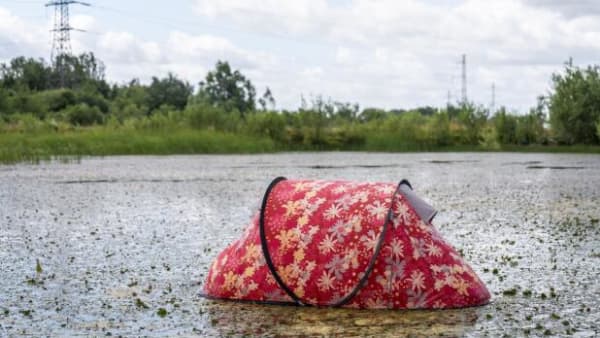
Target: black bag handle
(363,280)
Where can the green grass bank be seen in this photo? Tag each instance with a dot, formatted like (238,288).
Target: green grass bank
(101,141)
(27,147)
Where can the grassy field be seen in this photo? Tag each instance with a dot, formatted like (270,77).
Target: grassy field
(36,146)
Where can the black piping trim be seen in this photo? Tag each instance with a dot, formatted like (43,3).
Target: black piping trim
(265,246)
(363,280)
(361,283)
(405,181)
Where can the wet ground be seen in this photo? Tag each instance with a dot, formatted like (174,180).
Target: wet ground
(120,245)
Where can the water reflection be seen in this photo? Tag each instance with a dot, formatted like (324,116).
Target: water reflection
(234,318)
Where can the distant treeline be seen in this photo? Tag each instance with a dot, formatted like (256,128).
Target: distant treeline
(37,98)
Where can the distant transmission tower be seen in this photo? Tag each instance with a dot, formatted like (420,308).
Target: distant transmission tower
(464,80)
(61,37)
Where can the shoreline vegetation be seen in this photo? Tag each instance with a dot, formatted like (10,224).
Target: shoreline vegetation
(94,141)
(67,109)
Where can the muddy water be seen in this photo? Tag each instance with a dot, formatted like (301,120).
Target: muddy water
(118,239)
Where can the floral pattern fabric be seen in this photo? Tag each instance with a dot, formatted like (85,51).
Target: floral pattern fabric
(321,236)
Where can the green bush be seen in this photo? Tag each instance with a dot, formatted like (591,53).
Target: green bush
(404,128)
(128,111)
(84,115)
(438,129)
(270,124)
(93,99)
(4,104)
(205,116)
(343,138)
(489,138)
(57,99)
(167,91)
(473,119)
(28,123)
(158,121)
(506,127)
(575,105)
(26,103)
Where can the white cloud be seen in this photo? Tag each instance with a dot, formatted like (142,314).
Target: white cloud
(312,73)
(384,53)
(83,22)
(569,9)
(124,47)
(207,49)
(271,15)
(199,46)
(127,55)
(18,35)
(344,55)
(406,52)
(187,55)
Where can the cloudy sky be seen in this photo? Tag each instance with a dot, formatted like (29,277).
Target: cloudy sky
(382,53)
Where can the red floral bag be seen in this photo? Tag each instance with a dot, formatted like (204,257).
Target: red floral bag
(340,243)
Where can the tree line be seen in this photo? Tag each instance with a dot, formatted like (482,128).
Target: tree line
(36,96)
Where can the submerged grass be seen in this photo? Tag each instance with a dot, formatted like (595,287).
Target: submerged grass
(102,141)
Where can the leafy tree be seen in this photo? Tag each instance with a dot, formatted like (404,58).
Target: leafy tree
(530,128)
(369,114)
(267,99)
(25,73)
(318,115)
(130,100)
(440,128)
(454,110)
(75,72)
(506,127)
(67,71)
(346,110)
(427,110)
(168,91)
(574,104)
(398,111)
(411,125)
(228,89)
(473,119)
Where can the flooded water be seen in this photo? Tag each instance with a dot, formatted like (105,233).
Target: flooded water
(124,243)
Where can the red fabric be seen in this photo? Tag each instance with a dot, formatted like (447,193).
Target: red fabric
(321,236)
